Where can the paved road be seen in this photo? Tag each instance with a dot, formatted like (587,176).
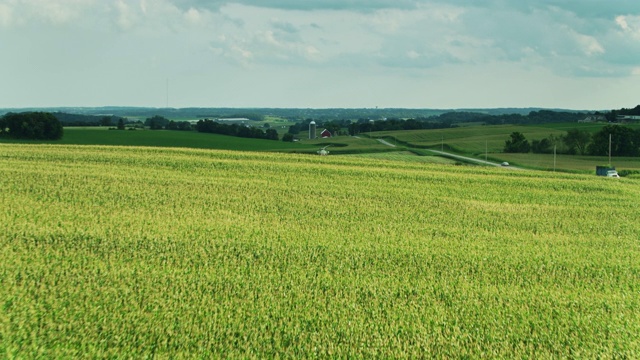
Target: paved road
(386,142)
(465,158)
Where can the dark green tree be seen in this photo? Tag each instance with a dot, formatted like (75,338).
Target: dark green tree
(121,124)
(577,141)
(156,123)
(271,134)
(288,137)
(544,146)
(624,141)
(105,121)
(517,144)
(31,125)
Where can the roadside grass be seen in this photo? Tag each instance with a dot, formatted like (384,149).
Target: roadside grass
(406,156)
(469,139)
(574,163)
(474,141)
(351,145)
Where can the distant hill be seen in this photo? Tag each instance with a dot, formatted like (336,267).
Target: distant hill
(295,114)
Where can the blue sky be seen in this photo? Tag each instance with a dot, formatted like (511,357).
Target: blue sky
(577,54)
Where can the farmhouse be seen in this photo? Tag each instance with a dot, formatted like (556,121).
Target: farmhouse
(593,118)
(628,117)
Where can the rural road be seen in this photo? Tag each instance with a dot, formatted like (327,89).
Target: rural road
(469,159)
(382,141)
(465,158)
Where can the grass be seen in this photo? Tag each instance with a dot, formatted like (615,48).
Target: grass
(586,164)
(163,138)
(406,156)
(111,252)
(351,145)
(475,140)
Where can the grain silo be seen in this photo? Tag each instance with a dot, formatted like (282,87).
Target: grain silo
(312,130)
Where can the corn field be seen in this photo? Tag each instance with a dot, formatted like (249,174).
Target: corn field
(172,253)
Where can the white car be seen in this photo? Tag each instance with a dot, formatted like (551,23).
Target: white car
(504,164)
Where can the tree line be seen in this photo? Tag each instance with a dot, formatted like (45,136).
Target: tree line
(625,141)
(31,125)
(210,126)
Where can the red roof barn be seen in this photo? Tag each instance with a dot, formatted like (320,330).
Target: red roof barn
(325,134)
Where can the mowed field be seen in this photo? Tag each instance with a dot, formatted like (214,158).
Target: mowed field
(164,138)
(476,140)
(164,252)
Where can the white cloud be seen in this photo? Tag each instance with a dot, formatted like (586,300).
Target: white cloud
(6,15)
(193,16)
(352,43)
(630,25)
(127,16)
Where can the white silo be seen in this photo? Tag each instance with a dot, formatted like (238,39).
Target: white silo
(312,130)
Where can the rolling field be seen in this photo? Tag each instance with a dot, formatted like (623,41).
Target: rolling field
(162,138)
(469,139)
(577,163)
(405,156)
(163,252)
(475,140)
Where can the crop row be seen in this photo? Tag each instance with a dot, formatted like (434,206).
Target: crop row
(175,252)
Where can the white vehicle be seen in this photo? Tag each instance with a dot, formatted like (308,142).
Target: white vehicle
(323,151)
(613,174)
(504,164)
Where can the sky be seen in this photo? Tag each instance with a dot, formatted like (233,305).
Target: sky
(570,54)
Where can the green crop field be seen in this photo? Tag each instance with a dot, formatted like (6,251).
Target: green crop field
(133,252)
(577,163)
(164,138)
(405,156)
(469,139)
(476,140)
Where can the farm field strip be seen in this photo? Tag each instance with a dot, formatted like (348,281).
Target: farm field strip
(140,252)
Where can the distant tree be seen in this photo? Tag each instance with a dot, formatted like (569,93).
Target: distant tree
(543,146)
(271,134)
(266,125)
(184,125)
(288,137)
(624,141)
(577,141)
(121,124)
(517,144)
(105,121)
(156,122)
(294,129)
(31,125)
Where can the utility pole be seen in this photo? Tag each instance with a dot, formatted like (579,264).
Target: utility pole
(609,150)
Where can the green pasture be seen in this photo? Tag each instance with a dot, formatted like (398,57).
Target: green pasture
(481,138)
(578,163)
(468,139)
(165,138)
(475,140)
(350,145)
